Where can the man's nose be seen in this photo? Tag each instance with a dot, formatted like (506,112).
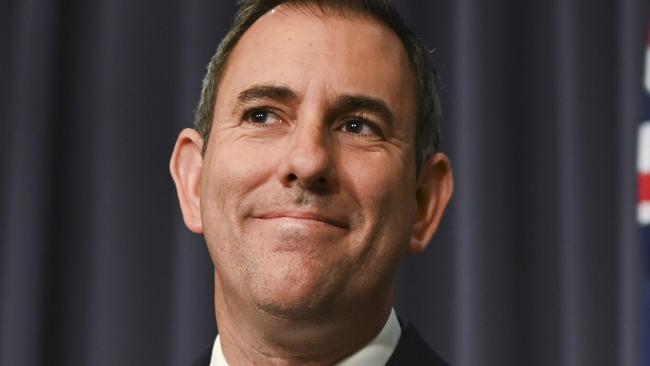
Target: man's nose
(309,160)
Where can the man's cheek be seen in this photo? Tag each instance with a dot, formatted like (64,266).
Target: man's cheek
(245,163)
(374,187)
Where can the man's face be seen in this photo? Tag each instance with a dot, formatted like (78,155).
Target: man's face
(307,192)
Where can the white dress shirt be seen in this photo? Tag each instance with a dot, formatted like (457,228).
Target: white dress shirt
(377,352)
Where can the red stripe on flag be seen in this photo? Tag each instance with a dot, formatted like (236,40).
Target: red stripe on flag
(644,187)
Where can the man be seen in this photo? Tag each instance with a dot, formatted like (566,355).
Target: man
(312,171)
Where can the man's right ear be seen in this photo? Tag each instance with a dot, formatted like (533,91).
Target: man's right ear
(186,165)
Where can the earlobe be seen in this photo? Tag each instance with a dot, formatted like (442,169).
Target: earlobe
(185,166)
(434,190)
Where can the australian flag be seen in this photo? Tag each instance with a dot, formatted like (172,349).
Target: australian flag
(643,166)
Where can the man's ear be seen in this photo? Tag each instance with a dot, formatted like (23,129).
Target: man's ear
(186,165)
(434,188)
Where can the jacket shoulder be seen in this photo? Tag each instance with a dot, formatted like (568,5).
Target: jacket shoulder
(412,350)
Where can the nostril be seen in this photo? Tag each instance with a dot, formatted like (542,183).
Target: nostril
(292,177)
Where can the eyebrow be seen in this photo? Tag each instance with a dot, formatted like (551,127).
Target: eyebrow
(349,103)
(343,104)
(272,92)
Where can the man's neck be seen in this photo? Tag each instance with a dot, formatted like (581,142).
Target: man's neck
(253,337)
(377,352)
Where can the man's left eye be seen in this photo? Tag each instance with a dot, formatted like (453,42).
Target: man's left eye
(360,127)
(262,117)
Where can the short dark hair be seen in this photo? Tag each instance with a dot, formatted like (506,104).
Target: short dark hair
(428,103)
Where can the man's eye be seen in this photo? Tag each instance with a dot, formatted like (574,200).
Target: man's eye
(360,127)
(262,117)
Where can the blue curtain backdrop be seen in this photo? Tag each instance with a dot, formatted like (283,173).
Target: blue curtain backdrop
(538,261)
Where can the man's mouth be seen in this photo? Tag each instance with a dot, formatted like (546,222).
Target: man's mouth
(317,217)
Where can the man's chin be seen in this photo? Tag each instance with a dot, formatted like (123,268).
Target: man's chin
(299,310)
(298,300)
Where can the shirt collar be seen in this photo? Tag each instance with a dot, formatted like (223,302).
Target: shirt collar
(377,352)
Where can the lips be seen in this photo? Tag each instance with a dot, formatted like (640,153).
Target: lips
(305,215)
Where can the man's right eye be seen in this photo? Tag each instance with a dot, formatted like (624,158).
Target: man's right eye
(262,117)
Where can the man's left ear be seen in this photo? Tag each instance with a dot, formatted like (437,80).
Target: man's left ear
(435,186)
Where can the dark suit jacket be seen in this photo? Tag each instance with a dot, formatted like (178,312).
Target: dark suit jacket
(411,350)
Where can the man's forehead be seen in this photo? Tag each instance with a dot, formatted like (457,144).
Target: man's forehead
(295,16)
(299,47)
